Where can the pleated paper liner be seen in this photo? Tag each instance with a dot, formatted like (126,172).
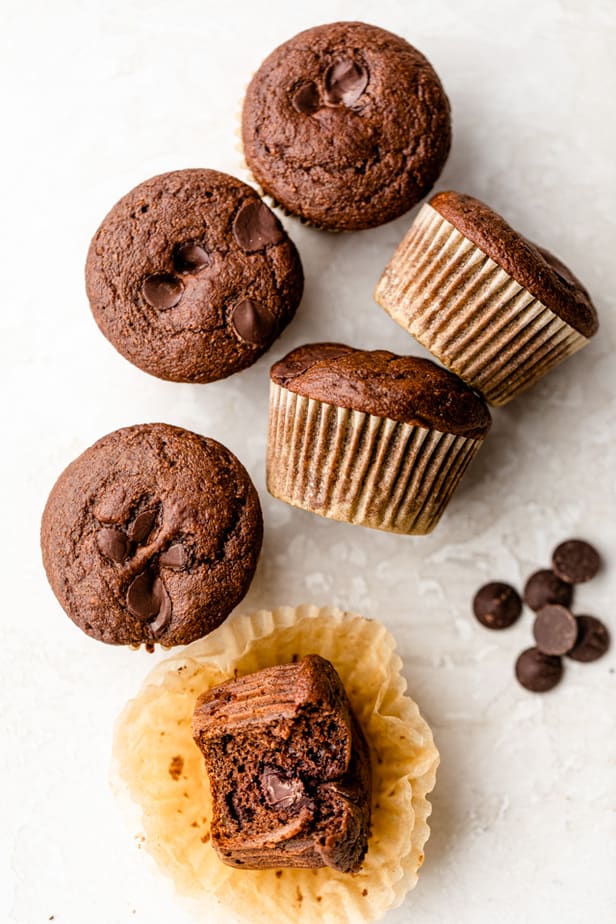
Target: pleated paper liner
(157,765)
(474,317)
(361,468)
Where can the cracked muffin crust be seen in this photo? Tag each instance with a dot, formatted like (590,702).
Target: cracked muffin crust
(151,535)
(346,125)
(191,277)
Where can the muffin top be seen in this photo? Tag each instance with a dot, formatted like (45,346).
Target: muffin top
(346,125)
(405,388)
(191,277)
(537,270)
(151,535)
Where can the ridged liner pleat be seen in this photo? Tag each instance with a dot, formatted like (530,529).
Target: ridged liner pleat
(474,317)
(361,468)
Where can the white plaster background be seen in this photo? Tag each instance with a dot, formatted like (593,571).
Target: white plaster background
(97,97)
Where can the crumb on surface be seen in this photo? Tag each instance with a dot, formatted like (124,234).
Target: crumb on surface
(278,873)
(176,766)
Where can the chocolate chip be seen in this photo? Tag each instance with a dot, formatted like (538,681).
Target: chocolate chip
(145,595)
(113,544)
(306,98)
(190,257)
(538,672)
(143,525)
(280,791)
(255,226)
(593,639)
(175,557)
(163,618)
(555,630)
(497,605)
(575,561)
(162,290)
(253,322)
(545,587)
(345,81)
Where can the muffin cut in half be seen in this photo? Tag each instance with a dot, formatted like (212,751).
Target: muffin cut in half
(493,307)
(370,437)
(288,767)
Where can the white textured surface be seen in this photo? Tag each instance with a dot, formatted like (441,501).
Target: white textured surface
(98,96)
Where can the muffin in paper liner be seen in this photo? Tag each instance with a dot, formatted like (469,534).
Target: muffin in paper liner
(157,764)
(359,467)
(470,313)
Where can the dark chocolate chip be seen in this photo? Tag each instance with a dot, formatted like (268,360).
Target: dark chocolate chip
(593,639)
(163,618)
(280,791)
(162,290)
(253,322)
(145,595)
(555,630)
(143,525)
(575,561)
(538,672)
(113,544)
(190,257)
(306,98)
(175,557)
(255,226)
(345,81)
(545,587)
(497,605)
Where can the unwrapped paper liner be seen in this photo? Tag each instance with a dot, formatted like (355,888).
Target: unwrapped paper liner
(157,763)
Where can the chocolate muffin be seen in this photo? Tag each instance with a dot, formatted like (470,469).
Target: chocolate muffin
(151,535)
(370,437)
(498,310)
(191,277)
(289,769)
(346,125)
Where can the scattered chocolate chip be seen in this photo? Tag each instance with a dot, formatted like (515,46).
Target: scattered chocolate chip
(280,791)
(162,290)
(593,639)
(306,98)
(175,557)
(555,630)
(575,561)
(544,587)
(190,257)
(145,595)
(255,226)
(538,672)
(113,544)
(497,605)
(253,322)
(345,81)
(143,525)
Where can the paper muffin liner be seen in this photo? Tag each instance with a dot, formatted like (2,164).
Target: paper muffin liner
(157,764)
(471,314)
(361,468)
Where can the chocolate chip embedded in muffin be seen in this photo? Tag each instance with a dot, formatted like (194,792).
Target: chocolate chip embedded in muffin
(576,561)
(289,769)
(497,605)
(191,277)
(545,587)
(346,125)
(151,535)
